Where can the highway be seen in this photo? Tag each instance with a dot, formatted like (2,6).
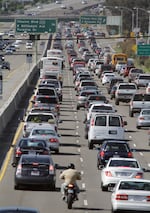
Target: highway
(73,149)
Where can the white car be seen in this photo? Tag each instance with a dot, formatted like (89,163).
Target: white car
(107,78)
(131,195)
(118,168)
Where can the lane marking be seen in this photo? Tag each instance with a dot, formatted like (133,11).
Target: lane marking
(85,203)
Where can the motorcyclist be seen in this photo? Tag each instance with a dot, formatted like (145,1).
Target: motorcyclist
(70,176)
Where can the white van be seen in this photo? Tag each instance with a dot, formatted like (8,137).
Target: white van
(105,126)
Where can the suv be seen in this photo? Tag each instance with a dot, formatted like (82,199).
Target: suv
(139,101)
(142,80)
(111,148)
(133,73)
(105,126)
(124,92)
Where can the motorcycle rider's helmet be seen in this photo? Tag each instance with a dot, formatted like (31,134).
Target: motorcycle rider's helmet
(71,166)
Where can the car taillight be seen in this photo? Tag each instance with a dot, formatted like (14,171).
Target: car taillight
(19,168)
(108,174)
(102,154)
(121,197)
(141,118)
(130,155)
(51,169)
(18,152)
(148,199)
(139,175)
(53,140)
(25,127)
(92,122)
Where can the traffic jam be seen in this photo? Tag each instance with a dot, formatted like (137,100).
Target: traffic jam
(100,82)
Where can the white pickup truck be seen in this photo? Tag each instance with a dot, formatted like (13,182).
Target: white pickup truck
(139,101)
(35,119)
(124,92)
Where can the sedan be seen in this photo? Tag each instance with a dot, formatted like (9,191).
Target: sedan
(29,146)
(118,168)
(107,78)
(143,120)
(48,134)
(35,170)
(131,195)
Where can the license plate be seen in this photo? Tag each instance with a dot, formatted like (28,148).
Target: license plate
(136,198)
(35,173)
(123,174)
(32,152)
(113,132)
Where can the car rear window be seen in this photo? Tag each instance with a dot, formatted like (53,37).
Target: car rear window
(101,107)
(127,86)
(46,91)
(114,121)
(101,121)
(134,185)
(35,159)
(40,118)
(47,100)
(146,77)
(116,147)
(124,163)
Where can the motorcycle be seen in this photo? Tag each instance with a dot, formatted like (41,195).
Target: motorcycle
(70,195)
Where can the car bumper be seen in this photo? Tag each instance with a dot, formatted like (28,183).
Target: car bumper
(35,180)
(131,206)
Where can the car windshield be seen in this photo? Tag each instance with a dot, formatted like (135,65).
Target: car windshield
(132,185)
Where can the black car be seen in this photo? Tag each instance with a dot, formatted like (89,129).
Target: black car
(29,146)
(18,209)
(113,148)
(35,170)
(5,65)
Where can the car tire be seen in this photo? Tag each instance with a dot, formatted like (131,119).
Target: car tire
(104,188)
(113,211)
(131,114)
(53,187)
(90,145)
(16,186)
(116,101)
(77,107)
(86,136)
(138,127)
(57,151)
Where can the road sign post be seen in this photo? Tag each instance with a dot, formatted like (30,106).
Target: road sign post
(88,19)
(34,26)
(143,50)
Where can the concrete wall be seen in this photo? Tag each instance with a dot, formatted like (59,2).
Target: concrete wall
(14,100)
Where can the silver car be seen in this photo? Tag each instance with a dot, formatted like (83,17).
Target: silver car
(48,134)
(143,120)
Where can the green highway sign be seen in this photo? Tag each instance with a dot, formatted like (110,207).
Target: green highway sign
(36,25)
(143,50)
(88,19)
